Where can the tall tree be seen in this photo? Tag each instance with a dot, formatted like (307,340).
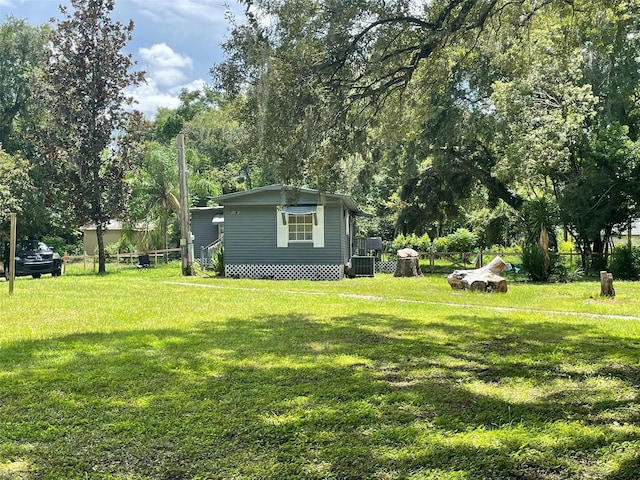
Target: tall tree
(15,184)
(22,59)
(568,119)
(86,80)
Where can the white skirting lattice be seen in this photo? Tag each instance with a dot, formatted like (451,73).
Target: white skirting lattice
(285,272)
(386,267)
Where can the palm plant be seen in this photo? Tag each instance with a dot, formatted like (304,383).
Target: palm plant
(540,217)
(153,188)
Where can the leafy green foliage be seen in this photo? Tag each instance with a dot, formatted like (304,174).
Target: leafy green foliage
(123,245)
(419,244)
(22,58)
(85,85)
(539,264)
(462,240)
(625,263)
(15,183)
(153,184)
(217,262)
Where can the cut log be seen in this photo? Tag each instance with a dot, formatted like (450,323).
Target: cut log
(485,279)
(606,284)
(408,264)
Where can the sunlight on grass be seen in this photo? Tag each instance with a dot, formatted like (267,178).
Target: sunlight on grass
(147,374)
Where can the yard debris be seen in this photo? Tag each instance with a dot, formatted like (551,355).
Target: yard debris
(485,279)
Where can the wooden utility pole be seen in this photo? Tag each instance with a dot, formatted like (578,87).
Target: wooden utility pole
(186,243)
(12,254)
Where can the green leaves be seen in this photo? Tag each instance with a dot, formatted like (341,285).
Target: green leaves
(14,185)
(86,79)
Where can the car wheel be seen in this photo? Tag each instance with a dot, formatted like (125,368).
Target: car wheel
(6,274)
(56,273)
(36,275)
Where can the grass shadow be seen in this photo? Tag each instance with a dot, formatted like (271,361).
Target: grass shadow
(289,396)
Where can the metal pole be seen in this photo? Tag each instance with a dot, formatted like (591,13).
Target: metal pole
(186,244)
(12,254)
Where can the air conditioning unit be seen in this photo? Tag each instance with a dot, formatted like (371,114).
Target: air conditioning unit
(362,266)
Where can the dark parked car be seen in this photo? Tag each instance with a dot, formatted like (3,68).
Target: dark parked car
(33,258)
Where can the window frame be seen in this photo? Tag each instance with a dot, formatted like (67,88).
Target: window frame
(307,227)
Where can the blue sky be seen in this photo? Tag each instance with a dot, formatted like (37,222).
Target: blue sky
(175,41)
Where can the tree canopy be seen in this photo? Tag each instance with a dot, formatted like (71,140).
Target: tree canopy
(85,85)
(435,114)
(516,99)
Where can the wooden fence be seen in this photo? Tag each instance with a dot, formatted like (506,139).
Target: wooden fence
(446,262)
(129,258)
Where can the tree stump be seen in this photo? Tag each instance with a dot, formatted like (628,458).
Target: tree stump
(485,279)
(408,264)
(606,284)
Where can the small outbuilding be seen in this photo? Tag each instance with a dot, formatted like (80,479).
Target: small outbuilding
(282,232)
(113,232)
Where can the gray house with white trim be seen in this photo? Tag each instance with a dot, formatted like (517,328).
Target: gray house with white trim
(285,233)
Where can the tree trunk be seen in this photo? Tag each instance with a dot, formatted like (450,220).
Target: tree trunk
(408,267)
(101,256)
(165,226)
(408,264)
(485,279)
(606,284)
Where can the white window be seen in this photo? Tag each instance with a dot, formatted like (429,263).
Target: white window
(299,224)
(300,227)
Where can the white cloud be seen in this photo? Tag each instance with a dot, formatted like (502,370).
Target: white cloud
(198,84)
(166,78)
(149,98)
(169,77)
(185,11)
(164,65)
(162,55)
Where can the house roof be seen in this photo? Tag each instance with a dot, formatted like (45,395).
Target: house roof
(205,209)
(246,195)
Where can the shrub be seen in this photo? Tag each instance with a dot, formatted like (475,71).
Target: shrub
(217,262)
(440,244)
(398,243)
(123,245)
(533,262)
(566,246)
(462,240)
(569,273)
(420,244)
(625,263)
(424,243)
(57,244)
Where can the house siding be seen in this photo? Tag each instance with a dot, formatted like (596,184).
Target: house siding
(204,232)
(345,238)
(90,239)
(256,243)
(251,237)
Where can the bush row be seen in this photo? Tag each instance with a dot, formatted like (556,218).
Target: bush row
(462,240)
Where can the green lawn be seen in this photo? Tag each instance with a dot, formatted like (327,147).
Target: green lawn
(144,374)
